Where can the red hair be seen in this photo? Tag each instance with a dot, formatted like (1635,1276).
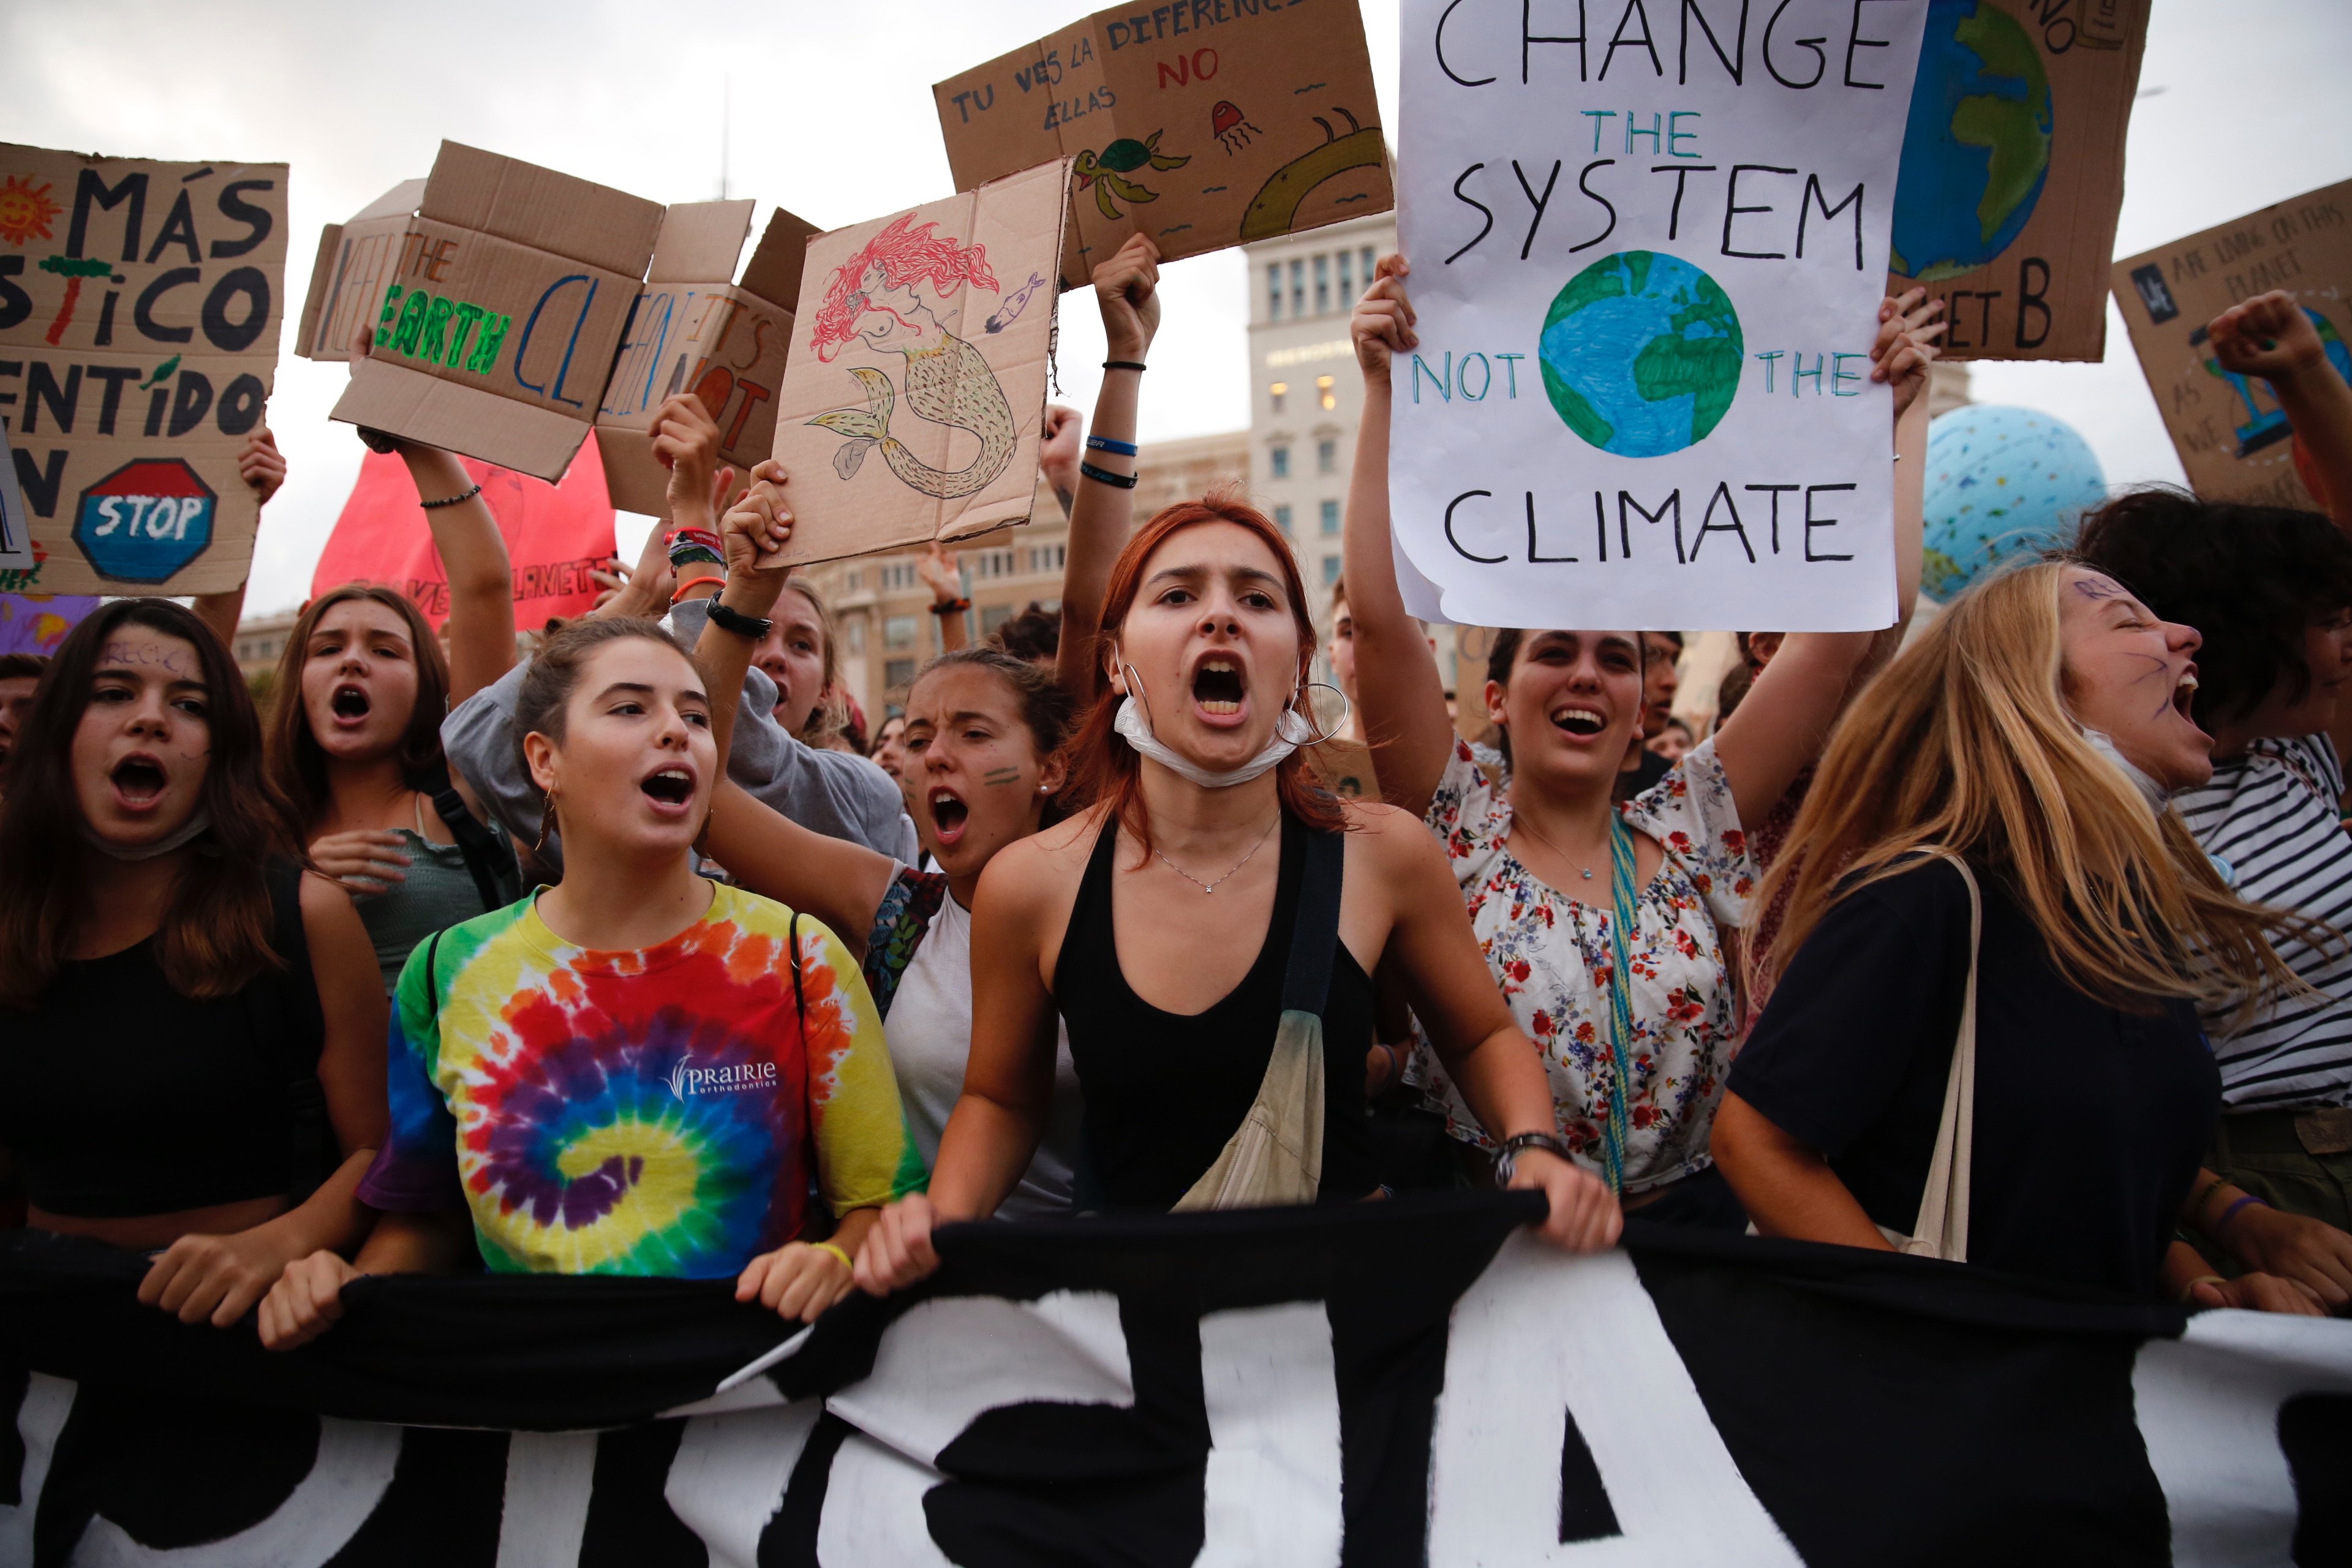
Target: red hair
(905,253)
(1103,766)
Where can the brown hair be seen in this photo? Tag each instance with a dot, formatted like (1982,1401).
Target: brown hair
(17,666)
(215,937)
(297,766)
(1046,708)
(554,674)
(1964,743)
(830,717)
(1103,766)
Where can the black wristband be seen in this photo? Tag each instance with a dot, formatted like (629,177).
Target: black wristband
(453,501)
(1506,1159)
(1135,365)
(736,621)
(376,440)
(1105,477)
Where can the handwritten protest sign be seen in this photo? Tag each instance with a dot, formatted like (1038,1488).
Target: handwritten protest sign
(497,323)
(15,523)
(2233,436)
(2013,171)
(140,305)
(555,534)
(38,622)
(1647,263)
(1203,123)
(695,332)
(913,400)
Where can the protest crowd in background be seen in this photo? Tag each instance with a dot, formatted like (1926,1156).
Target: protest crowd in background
(632,943)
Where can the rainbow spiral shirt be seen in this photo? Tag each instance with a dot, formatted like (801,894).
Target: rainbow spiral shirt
(648,1112)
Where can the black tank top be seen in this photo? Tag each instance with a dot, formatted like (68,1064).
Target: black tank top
(120,1097)
(1165,1091)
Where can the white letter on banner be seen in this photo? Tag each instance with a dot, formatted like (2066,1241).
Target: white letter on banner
(549,1476)
(317,1519)
(728,1478)
(1273,1400)
(1542,1333)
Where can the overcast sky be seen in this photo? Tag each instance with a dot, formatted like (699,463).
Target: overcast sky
(2242,105)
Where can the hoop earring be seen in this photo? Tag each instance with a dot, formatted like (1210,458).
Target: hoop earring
(1346,709)
(546,823)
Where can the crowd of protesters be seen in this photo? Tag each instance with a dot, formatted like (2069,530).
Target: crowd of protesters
(2022,937)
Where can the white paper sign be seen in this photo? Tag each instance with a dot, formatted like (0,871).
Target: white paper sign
(1648,241)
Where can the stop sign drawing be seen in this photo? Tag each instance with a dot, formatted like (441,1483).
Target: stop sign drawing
(145,522)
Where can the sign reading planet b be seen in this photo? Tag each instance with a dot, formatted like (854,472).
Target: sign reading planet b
(1641,353)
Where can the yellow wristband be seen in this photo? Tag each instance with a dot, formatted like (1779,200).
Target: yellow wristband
(846,1261)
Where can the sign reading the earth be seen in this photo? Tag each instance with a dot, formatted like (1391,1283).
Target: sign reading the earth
(2012,171)
(1647,246)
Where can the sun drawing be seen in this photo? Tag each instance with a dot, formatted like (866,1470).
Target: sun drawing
(26,211)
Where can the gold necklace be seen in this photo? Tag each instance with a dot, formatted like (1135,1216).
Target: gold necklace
(1212,887)
(1517,821)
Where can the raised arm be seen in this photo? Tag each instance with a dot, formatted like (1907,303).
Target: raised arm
(2270,336)
(262,467)
(1785,720)
(1127,288)
(1397,682)
(480,629)
(940,572)
(754,532)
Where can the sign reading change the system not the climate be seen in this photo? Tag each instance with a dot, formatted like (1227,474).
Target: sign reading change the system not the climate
(1647,250)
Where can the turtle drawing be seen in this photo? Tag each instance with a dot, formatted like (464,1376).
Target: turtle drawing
(1125,156)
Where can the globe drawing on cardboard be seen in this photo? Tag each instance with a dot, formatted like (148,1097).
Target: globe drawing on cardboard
(1976,150)
(2001,482)
(1641,353)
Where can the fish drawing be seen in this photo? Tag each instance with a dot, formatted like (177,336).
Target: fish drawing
(1009,312)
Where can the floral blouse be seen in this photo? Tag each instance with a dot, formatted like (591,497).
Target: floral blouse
(1550,954)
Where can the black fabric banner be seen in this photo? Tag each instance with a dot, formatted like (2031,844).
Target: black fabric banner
(1398,1383)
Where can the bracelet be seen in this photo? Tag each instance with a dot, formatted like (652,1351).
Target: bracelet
(453,501)
(846,1261)
(1135,365)
(736,621)
(1105,444)
(678,592)
(2195,1204)
(1507,1161)
(951,606)
(1396,1065)
(2189,1289)
(2231,1213)
(1104,475)
(695,547)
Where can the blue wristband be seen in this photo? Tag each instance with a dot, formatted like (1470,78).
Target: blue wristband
(1105,444)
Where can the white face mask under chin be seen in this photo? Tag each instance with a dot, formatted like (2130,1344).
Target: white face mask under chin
(1292,729)
(2155,793)
(186,833)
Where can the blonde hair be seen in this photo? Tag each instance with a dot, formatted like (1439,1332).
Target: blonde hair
(1964,743)
(830,717)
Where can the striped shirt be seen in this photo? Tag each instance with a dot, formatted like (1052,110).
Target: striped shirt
(2271,815)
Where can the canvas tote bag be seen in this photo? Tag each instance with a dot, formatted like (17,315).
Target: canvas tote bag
(1942,1228)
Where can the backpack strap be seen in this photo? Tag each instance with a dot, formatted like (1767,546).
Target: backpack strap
(1315,929)
(497,878)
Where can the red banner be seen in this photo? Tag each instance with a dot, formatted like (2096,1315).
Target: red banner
(556,534)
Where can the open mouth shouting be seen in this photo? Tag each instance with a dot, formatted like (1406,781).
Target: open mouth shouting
(139,782)
(670,789)
(1217,687)
(2184,696)
(949,815)
(351,705)
(1579,721)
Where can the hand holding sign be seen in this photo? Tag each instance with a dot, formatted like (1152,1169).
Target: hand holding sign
(1127,288)
(756,529)
(1382,326)
(686,442)
(262,465)
(1906,344)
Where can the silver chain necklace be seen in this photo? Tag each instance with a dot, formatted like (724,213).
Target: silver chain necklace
(1212,887)
(1519,822)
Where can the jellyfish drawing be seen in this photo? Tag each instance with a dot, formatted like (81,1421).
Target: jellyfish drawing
(1225,122)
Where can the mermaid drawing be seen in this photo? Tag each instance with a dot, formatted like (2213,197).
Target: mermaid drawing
(873,296)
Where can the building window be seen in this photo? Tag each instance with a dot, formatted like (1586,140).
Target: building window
(1330,570)
(1276,392)
(1347,278)
(1279,459)
(1274,293)
(855,580)
(855,632)
(898,575)
(1322,284)
(1298,288)
(1331,517)
(899,631)
(1371,263)
(1327,391)
(1327,456)
(993,617)
(993,564)
(1282,520)
(1047,557)
(898,673)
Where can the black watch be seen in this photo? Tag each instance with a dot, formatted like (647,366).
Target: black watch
(736,621)
(1508,1160)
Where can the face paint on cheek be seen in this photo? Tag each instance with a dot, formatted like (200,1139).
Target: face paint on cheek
(1001,776)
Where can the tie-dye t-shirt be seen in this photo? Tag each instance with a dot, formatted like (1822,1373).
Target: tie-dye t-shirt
(653,1112)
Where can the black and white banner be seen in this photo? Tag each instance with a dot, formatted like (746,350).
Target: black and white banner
(1403,1383)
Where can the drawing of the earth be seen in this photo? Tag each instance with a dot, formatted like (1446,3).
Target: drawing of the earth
(1641,353)
(1976,151)
(2001,482)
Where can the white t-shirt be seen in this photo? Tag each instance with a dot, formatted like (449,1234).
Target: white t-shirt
(929,1032)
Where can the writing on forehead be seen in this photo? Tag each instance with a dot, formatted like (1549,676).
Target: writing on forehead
(148,655)
(2099,588)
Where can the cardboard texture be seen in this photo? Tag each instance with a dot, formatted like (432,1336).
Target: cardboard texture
(497,320)
(912,402)
(140,308)
(695,332)
(2232,438)
(15,526)
(1204,124)
(348,276)
(2013,172)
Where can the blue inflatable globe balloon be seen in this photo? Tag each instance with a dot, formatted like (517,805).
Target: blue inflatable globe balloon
(1976,151)
(2001,482)
(1641,353)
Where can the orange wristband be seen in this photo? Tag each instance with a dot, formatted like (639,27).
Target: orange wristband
(679,592)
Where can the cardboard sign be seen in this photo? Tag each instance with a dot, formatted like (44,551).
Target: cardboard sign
(140,305)
(913,401)
(15,523)
(499,314)
(2013,171)
(1206,123)
(556,534)
(2233,436)
(348,275)
(1647,264)
(695,332)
